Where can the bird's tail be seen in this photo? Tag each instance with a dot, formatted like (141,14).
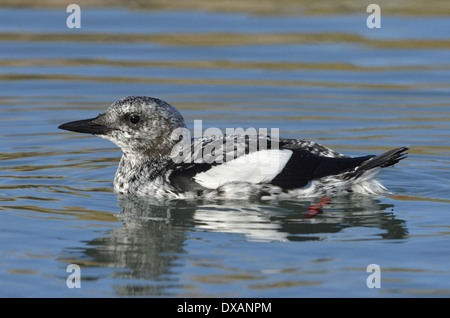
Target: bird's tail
(389,158)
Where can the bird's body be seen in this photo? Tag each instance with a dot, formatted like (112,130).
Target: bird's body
(157,164)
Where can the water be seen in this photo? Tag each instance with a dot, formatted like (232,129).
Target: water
(324,78)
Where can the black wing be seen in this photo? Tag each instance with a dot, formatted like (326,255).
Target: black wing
(309,161)
(304,166)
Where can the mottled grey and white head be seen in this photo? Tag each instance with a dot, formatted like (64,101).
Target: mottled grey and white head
(141,126)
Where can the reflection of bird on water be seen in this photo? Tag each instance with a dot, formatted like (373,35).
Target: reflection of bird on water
(156,236)
(143,128)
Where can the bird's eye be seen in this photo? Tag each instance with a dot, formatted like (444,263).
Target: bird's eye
(134,119)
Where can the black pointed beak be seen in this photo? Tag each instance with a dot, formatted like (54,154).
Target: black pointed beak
(86,126)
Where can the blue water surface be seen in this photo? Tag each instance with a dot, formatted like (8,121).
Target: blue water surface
(359,96)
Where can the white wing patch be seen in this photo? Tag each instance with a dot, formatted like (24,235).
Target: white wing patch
(257,167)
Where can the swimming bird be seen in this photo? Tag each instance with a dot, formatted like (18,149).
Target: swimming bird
(161,160)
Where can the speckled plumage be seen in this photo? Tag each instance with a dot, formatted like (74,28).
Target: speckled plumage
(156,164)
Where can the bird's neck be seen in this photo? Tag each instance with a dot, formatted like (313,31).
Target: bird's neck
(133,170)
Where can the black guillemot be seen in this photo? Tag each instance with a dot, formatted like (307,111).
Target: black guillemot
(143,127)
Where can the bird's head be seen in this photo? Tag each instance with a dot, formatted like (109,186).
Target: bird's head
(139,125)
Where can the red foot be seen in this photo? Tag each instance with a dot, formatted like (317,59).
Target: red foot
(317,208)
